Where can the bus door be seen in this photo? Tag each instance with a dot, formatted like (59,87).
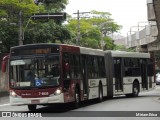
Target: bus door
(118,74)
(84,73)
(143,63)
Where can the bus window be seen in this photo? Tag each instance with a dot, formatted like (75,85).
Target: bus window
(150,68)
(90,66)
(101,67)
(75,66)
(95,67)
(132,67)
(35,72)
(135,67)
(66,66)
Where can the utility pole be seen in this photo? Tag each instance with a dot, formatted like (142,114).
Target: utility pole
(78,28)
(78,25)
(20,35)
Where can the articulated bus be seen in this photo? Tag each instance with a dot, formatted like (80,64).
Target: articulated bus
(44,74)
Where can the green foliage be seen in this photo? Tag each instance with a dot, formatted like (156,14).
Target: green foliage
(54,5)
(9,12)
(42,31)
(123,48)
(109,45)
(46,32)
(12,7)
(36,31)
(92,28)
(8,36)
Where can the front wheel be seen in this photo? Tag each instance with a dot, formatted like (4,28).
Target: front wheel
(77,98)
(32,107)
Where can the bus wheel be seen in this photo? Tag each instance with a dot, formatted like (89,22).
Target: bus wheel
(135,89)
(32,107)
(100,98)
(77,98)
(129,95)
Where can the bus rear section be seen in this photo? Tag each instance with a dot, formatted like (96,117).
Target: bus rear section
(129,73)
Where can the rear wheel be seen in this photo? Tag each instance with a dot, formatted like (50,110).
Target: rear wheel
(32,107)
(135,90)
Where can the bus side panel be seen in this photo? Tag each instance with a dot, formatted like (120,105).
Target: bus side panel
(93,85)
(109,73)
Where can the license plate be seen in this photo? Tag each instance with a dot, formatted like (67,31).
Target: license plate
(35,101)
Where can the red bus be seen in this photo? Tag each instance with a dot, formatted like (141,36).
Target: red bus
(44,74)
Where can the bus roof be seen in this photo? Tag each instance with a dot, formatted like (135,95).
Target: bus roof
(128,54)
(83,50)
(36,44)
(91,51)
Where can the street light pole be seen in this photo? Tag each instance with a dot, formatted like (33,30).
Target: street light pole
(20,36)
(78,29)
(78,25)
(26,27)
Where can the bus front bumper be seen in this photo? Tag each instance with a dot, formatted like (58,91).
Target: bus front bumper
(37,101)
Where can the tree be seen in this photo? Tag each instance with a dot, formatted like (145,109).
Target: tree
(11,8)
(53,5)
(91,30)
(36,31)
(9,20)
(46,32)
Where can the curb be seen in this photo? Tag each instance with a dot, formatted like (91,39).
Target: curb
(4,93)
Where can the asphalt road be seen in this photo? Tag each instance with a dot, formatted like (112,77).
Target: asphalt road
(118,108)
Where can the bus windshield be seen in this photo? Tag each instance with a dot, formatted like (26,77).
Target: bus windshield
(35,72)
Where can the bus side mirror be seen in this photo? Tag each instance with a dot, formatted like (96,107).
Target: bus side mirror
(4,66)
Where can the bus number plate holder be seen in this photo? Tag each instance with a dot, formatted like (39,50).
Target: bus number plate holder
(35,101)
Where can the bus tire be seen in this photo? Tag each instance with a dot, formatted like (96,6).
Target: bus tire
(32,107)
(128,95)
(77,98)
(100,97)
(135,89)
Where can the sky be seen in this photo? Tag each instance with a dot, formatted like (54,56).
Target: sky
(124,12)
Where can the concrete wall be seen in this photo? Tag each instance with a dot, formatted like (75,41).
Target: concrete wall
(3,78)
(150,10)
(150,34)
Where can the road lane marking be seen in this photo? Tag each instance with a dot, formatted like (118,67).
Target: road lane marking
(5,105)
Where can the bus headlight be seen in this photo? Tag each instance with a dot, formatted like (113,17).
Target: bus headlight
(13,94)
(58,92)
